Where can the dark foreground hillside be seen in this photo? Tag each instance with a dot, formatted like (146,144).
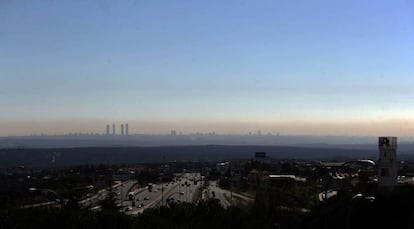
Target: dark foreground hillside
(379,210)
(206,215)
(389,210)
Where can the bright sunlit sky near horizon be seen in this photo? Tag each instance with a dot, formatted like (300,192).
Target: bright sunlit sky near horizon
(234,66)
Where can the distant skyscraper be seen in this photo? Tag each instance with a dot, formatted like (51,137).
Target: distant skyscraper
(107,129)
(126,129)
(113,129)
(259,132)
(122,129)
(173,133)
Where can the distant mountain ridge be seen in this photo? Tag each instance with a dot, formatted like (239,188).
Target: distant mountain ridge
(66,150)
(91,140)
(48,157)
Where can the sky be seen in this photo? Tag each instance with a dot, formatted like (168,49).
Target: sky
(289,67)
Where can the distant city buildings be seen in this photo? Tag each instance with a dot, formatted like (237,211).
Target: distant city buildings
(173,133)
(123,132)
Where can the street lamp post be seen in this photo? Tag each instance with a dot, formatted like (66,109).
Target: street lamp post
(122,184)
(179,190)
(162,194)
(186,194)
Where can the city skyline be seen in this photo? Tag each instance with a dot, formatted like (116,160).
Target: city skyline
(318,68)
(232,128)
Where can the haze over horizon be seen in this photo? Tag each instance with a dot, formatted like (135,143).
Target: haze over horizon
(288,67)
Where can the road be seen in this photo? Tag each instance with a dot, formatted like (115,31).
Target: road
(182,189)
(144,199)
(185,191)
(94,200)
(225,197)
(122,192)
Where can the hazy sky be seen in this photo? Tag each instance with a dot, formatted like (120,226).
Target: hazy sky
(314,67)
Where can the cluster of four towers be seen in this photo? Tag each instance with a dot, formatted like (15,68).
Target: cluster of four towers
(124,129)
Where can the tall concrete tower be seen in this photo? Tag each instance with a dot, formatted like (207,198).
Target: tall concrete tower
(387,163)
(122,129)
(107,129)
(113,129)
(126,129)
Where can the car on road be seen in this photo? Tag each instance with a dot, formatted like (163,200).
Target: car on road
(146,198)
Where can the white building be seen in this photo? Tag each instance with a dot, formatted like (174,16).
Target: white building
(387,163)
